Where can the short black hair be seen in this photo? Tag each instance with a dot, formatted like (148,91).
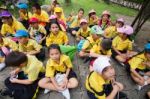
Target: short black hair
(15,59)
(106,44)
(81,9)
(54,46)
(37,6)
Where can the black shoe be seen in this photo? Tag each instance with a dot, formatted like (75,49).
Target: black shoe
(6,92)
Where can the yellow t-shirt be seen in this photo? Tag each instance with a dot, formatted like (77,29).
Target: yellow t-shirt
(25,16)
(84,33)
(43,17)
(89,43)
(33,68)
(96,82)
(52,66)
(9,43)
(121,45)
(93,21)
(30,46)
(16,25)
(75,22)
(60,38)
(98,50)
(136,62)
(41,29)
(111,32)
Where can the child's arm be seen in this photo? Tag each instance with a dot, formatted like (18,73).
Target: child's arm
(25,82)
(136,74)
(55,84)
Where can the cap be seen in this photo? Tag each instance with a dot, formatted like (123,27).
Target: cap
(126,29)
(5,14)
(22,6)
(120,20)
(33,20)
(96,30)
(58,9)
(106,13)
(83,21)
(21,33)
(101,63)
(52,17)
(92,11)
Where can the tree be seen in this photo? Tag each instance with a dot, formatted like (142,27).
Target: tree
(142,16)
(67,2)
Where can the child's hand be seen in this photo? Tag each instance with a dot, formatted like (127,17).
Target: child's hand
(120,86)
(13,80)
(115,87)
(60,88)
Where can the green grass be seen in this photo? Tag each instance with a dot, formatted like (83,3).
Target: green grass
(98,6)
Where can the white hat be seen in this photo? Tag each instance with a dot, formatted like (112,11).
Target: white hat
(100,63)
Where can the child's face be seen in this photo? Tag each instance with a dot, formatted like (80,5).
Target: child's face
(122,35)
(105,17)
(108,73)
(80,14)
(23,40)
(54,54)
(34,10)
(84,25)
(54,28)
(34,25)
(58,14)
(119,24)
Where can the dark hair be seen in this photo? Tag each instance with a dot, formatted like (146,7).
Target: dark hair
(37,6)
(54,46)
(122,24)
(81,9)
(15,59)
(106,44)
(54,21)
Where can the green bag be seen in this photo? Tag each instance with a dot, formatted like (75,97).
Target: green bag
(68,50)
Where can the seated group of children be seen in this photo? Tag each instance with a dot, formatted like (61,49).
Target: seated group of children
(23,44)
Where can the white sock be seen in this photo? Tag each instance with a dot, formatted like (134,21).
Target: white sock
(46,91)
(145,83)
(2,66)
(66,93)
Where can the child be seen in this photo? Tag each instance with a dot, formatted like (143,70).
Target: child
(2,8)
(58,64)
(92,40)
(93,18)
(58,11)
(100,78)
(29,46)
(56,36)
(10,25)
(122,45)
(111,31)
(42,16)
(75,21)
(23,80)
(37,32)
(84,30)
(104,22)
(24,15)
(6,46)
(139,67)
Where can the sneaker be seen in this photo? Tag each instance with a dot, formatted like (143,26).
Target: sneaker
(65,93)
(2,66)
(6,92)
(46,91)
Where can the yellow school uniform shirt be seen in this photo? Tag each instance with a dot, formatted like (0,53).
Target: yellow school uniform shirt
(121,45)
(43,17)
(136,62)
(84,33)
(98,50)
(93,21)
(25,16)
(75,22)
(16,25)
(9,43)
(96,81)
(89,43)
(60,38)
(30,46)
(111,32)
(33,68)
(41,29)
(52,66)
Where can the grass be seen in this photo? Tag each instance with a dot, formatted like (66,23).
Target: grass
(99,6)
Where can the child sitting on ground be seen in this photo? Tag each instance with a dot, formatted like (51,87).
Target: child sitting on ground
(122,45)
(100,83)
(94,39)
(56,36)
(37,32)
(58,65)
(93,18)
(139,67)
(104,22)
(23,80)
(111,31)
(84,30)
